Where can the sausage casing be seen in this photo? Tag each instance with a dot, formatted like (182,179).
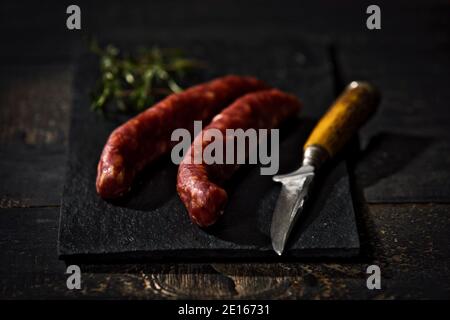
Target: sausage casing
(198,185)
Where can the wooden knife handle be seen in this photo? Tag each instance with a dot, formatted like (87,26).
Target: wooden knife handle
(347,114)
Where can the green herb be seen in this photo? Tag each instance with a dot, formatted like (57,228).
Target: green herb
(134,82)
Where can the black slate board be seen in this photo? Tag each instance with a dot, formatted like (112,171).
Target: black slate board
(152,223)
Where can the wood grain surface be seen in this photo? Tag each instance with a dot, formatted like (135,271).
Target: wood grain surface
(408,239)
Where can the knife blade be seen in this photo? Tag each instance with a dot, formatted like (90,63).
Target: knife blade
(347,114)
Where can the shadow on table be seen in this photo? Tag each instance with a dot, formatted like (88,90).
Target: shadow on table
(386,154)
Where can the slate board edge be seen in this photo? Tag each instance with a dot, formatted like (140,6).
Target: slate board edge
(211,256)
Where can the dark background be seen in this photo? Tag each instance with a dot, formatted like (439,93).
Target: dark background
(402,176)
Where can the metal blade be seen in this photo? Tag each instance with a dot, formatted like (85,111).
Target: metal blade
(293,194)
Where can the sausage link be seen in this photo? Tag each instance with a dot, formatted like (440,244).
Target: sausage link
(198,185)
(142,139)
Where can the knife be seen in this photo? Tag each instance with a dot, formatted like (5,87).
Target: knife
(346,115)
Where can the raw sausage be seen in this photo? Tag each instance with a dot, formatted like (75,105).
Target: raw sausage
(142,139)
(198,185)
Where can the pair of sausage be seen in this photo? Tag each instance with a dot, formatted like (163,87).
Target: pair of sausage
(146,137)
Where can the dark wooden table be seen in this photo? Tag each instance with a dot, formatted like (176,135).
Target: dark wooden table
(402,177)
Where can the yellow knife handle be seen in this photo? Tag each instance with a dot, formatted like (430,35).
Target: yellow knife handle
(348,113)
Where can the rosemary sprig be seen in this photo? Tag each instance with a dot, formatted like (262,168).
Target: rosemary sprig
(134,82)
